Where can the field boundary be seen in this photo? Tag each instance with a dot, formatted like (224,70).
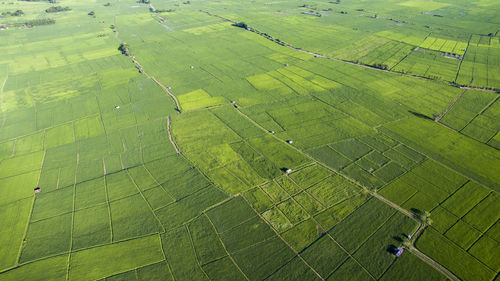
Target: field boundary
(451,105)
(170,136)
(462,60)
(318,55)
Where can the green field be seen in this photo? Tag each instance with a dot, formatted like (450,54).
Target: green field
(160,140)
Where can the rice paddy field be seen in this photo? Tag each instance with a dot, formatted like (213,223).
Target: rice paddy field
(324,140)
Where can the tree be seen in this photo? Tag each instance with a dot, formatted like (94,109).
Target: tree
(241,24)
(425,218)
(124,48)
(18,13)
(56,9)
(91,13)
(436,116)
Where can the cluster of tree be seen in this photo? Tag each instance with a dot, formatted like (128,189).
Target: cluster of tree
(308,6)
(91,13)
(241,25)
(18,13)
(124,48)
(334,2)
(312,13)
(144,1)
(343,12)
(186,2)
(381,66)
(36,22)
(163,10)
(50,1)
(57,9)
(108,4)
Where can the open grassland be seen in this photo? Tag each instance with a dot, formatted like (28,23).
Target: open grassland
(203,151)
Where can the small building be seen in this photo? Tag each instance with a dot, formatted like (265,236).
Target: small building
(289,141)
(288,171)
(37,189)
(272,132)
(117,107)
(398,252)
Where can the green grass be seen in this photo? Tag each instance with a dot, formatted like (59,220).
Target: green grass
(364,220)
(98,262)
(410,267)
(463,234)
(205,241)
(303,234)
(92,227)
(324,255)
(453,257)
(131,217)
(118,202)
(374,254)
(457,155)
(178,249)
(15,218)
(47,237)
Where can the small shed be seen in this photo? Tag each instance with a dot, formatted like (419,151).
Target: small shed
(398,252)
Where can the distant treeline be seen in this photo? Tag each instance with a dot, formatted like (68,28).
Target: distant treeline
(56,9)
(50,1)
(36,22)
(17,13)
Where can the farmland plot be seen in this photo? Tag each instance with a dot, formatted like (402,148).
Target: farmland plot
(260,161)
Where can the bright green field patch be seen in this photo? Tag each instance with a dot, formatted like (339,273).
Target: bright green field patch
(199,99)
(59,135)
(21,164)
(47,237)
(49,269)
(88,127)
(14,220)
(100,262)
(17,187)
(453,257)
(424,5)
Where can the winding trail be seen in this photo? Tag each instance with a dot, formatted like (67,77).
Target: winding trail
(141,70)
(170,135)
(167,90)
